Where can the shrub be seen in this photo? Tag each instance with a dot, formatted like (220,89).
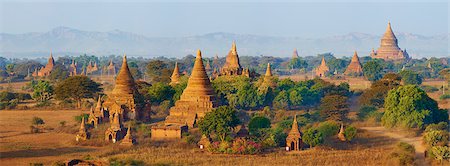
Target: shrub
(403,153)
(441,153)
(428,88)
(436,138)
(328,128)
(128,161)
(350,133)
(257,123)
(80,117)
(37,121)
(62,123)
(439,126)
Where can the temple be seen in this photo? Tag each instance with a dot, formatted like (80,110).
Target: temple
(124,99)
(196,100)
(47,69)
(82,134)
(232,65)
(268,80)
(354,68)
(295,54)
(389,49)
(92,68)
(73,69)
(114,132)
(323,69)
(175,78)
(111,69)
(294,138)
(128,140)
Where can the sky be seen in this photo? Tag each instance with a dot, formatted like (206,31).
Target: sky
(174,18)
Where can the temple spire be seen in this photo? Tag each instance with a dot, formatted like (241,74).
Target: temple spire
(124,81)
(295,54)
(175,78)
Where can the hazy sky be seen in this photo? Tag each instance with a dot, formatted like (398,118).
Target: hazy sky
(175,18)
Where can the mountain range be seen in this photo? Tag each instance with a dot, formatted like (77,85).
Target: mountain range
(68,41)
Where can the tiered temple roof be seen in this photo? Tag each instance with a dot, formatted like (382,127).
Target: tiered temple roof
(354,68)
(47,69)
(389,49)
(323,69)
(294,138)
(196,100)
(111,69)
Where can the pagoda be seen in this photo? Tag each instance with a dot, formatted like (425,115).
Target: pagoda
(294,138)
(354,68)
(232,66)
(73,68)
(295,54)
(389,49)
(323,69)
(82,134)
(175,78)
(128,140)
(111,69)
(196,100)
(114,132)
(47,69)
(124,98)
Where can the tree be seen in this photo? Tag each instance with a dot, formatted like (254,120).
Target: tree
(42,90)
(298,63)
(221,121)
(285,84)
(58,73)
(134,70)
(257,123)
(379,89)
(281,101)
(441,153)
(436,138)
(77,88)
(159,92)
(247,97)
(312,137)
(373,70)
(410,77)
(410,107)
(158,71)
(334,107)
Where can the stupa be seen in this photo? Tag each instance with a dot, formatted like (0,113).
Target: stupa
(323,69)
(91,68)
(73,68)
(354,68)
(294,138)
(295,54)
(124,98)
(82,134)
(128,140)
(196,100)
(47,69)
(111,69)
(389,49)
(341,135)
(268,80)
(175,78)
(114,132)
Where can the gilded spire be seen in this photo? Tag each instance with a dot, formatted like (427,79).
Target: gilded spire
(268,71)
(175,78)
(124,81)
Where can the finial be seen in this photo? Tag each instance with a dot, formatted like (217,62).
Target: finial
(199,54)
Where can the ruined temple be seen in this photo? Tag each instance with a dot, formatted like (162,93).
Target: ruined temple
(323,69)
(47,69)
(389,49)
(354,68)
(175,78)
(91,68)
(196,100)
(97,116)
(232,66)
(124,99)
(294,138)
(114,132)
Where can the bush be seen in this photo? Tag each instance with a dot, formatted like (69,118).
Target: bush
(80,117)
(350,133)
(37,121)
(439,126)
(128,161)
(436,138)
(328,128)
(239,146)
(403,153)
(313,137)
(429,89)
(441,153)
(257,123)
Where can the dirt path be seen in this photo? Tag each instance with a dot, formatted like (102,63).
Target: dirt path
(415,141)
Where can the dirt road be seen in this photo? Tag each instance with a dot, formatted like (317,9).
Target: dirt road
(415,141)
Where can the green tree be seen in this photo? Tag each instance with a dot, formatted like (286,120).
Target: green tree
(159,92)
(134,70)
(334,107)
(373,70)
(285,84)
(158,71)
(441,153)
(42,90)
(247,97)
(410,107)
(281,101)
(410,77)
(77,88)
(58,73)
(220,121)
(378,91)
(298,63)
(313,137)
(436,138)
(257,123)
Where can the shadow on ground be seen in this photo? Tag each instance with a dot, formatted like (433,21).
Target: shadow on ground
(42,152)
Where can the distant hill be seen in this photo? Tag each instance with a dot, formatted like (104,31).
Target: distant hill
(69,41)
